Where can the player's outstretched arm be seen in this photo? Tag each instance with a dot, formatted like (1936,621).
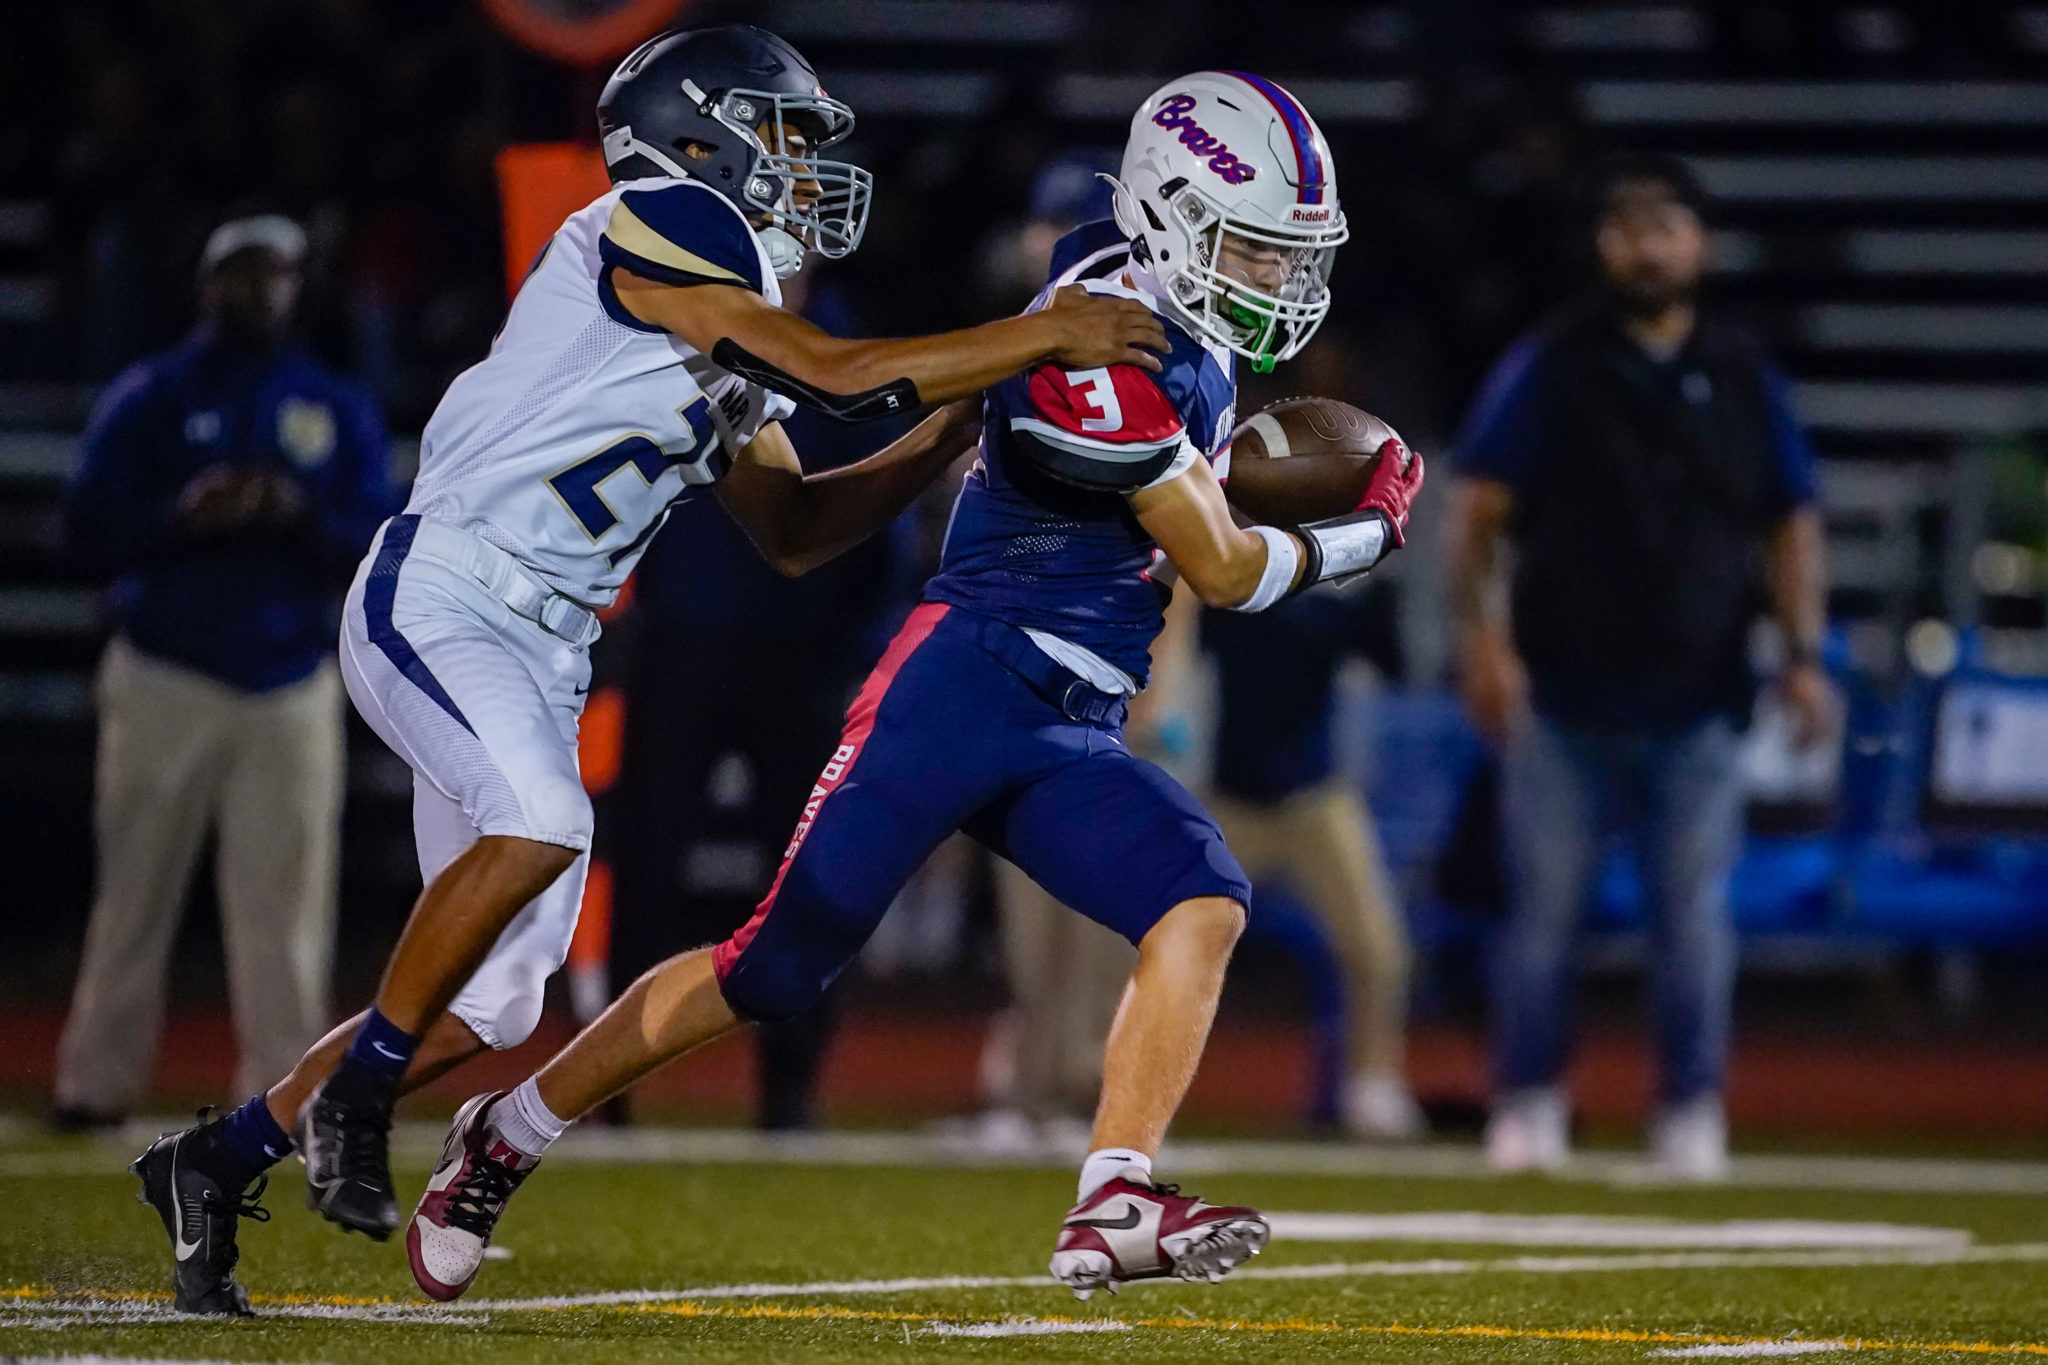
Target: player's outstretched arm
(1251,568)
(799,522)
(1223,562)
(755,339)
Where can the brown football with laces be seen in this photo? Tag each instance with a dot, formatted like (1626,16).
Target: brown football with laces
(1304,459)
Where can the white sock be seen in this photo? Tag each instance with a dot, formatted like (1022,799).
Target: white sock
(524,1120)
(1110,1163)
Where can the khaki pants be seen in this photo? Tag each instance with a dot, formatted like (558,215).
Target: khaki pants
(1066,974)
(179,754)
(1321,843)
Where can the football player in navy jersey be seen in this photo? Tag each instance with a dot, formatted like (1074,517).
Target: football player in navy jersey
(646,359)
(999,707)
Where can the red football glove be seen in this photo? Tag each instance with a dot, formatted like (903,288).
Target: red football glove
(1396,479)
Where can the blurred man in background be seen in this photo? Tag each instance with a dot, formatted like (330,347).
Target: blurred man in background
(1644,460)
(1291,816)
(229,483)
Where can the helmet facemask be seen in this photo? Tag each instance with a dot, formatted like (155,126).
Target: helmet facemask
(830,221)
(1266,325)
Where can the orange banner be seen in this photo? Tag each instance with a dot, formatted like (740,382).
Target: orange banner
(539,185)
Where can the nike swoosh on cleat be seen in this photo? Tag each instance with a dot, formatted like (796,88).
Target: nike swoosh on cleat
(184,1248)
(1123,1224)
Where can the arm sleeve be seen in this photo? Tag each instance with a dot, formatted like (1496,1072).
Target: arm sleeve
(1111,429)
(363,493)
(118,506)
(1502,432)
(1791,453)
(681,234)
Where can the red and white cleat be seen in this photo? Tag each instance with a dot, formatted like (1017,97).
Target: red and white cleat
(449,1230)
(1127,1231)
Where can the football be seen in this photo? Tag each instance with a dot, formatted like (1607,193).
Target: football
(1304,459)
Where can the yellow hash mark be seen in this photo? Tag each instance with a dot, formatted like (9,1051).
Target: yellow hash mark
(837,1313)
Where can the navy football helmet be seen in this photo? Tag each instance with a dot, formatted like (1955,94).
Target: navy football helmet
(735,91)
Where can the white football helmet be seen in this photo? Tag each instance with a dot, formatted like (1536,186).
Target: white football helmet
(1223,152)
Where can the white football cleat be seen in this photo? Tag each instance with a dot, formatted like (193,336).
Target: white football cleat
(1529,1130)
(452,1227)
(1689,1141)
(1128,1231)
(1380,1108)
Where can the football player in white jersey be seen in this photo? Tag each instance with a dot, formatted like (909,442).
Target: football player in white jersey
(646,359)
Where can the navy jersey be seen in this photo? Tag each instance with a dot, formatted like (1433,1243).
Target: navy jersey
(1041,535)
(254,608)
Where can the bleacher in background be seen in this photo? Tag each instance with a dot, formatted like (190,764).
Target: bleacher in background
(1884,192)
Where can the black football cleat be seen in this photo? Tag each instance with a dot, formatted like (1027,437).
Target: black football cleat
(183,1179)
(345,1138)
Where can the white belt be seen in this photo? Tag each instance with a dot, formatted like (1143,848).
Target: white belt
(506,579)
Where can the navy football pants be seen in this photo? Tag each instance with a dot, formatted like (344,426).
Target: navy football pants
(946,736)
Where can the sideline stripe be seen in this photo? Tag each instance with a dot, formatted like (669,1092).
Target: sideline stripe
(44,1299)
(122,1303)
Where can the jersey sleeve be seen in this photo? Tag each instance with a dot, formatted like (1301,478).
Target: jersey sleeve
(1112,429)
(1796,484)
(681,234)
(1502,433)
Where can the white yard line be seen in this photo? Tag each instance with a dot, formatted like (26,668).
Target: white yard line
(1755,1348)
(415,1144)
(812,1288)
(21,1311)
(1022,1327)
(1584,1230)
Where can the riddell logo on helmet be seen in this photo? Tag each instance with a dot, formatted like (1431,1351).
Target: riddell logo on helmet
(1197,139)
(1300,214)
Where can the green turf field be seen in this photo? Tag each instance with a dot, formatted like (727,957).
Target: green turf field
(723,1259)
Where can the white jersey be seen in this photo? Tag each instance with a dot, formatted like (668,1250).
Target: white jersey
(568,444)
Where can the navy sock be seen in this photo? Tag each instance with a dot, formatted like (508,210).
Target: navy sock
(382,1047)
(252,1140)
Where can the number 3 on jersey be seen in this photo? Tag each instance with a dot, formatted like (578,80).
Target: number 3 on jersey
(1098,390)
(696,453)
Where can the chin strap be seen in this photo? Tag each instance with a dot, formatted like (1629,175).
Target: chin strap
(785,252)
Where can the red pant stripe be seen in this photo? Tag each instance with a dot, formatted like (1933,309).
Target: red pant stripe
(860,723)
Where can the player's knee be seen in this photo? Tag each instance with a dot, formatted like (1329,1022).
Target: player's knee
(1207,926)
(555,812)
(509,1017)
(518,1018)
(768,992)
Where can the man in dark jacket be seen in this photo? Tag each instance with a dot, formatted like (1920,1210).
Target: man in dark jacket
(1644,461)
(227,486)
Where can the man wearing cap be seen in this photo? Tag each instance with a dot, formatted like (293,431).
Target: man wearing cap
(1643,458)
(227,486)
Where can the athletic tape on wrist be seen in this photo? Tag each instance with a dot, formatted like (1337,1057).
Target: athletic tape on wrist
(1283,559)
(1349,545)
